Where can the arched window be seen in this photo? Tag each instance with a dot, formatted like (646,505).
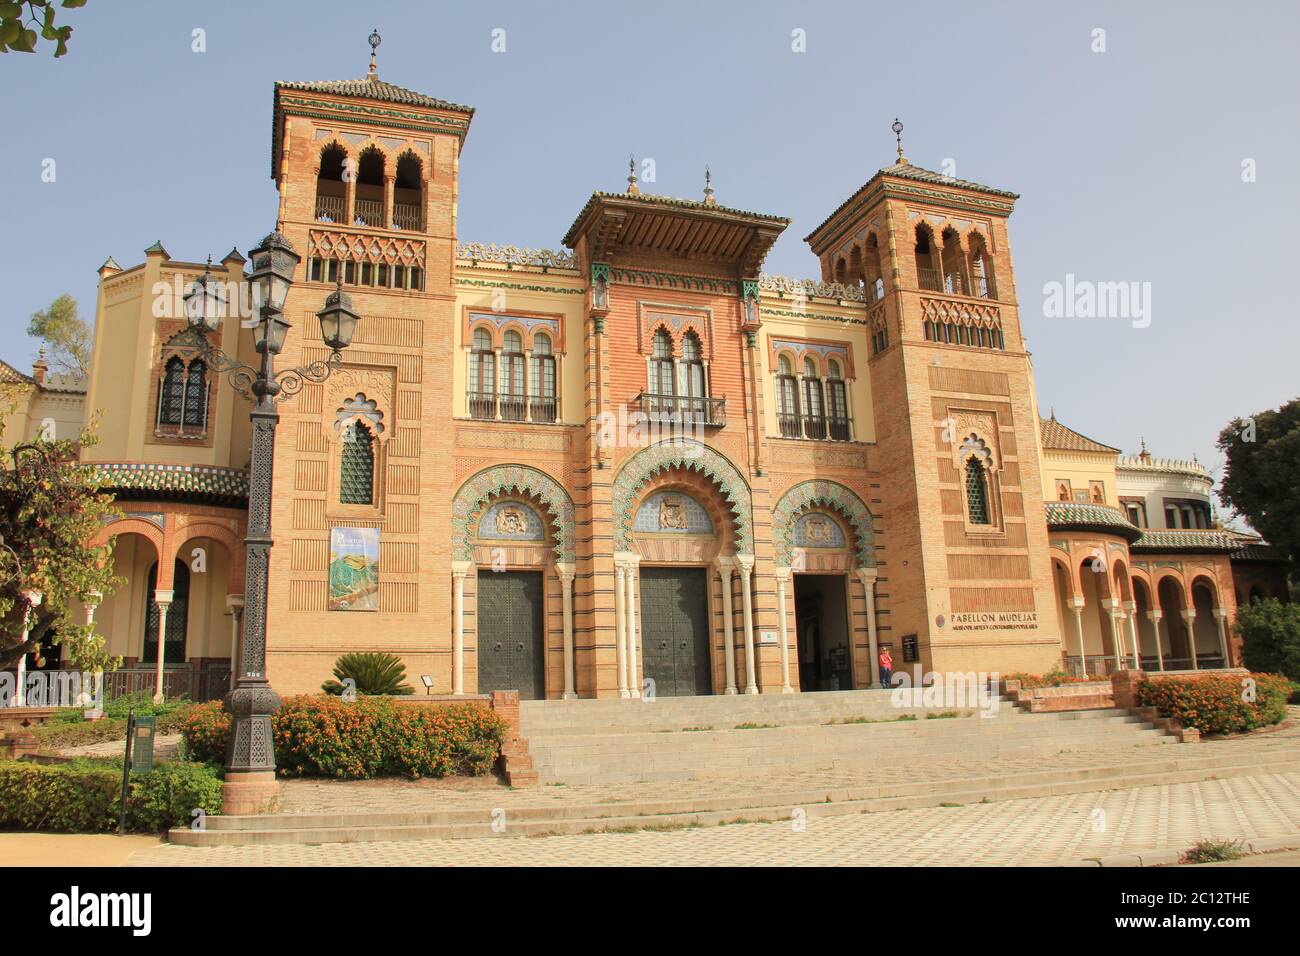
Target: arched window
(482,376)
(693,378)
(977,492)
(177,617)
(370,189)
(663,384)
(542,387)
(838,397)
(408,192)
(331,193)
(357,466)
(954,268)
(512,378)
(814,408)
(195,409)
(787,399)
(981,269)
(171,395)
(927,272)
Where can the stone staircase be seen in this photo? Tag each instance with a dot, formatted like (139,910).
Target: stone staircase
(626,741)
(617,765)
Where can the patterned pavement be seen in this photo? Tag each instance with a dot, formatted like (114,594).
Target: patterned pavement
(1042,831)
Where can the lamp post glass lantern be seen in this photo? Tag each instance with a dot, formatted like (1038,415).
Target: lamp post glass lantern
(250,754)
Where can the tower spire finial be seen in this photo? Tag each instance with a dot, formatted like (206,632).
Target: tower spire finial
(375,40)
(708,188)
(632,187)
(897,127)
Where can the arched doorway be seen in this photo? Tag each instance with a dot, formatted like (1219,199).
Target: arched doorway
(1177,653)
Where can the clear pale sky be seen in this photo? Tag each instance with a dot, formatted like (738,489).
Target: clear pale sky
(1128,162)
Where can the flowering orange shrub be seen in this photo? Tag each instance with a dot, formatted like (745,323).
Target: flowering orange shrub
(370,737)
(1218,703)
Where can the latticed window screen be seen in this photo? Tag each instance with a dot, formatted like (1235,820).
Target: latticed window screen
(357,466)
(977,492)
(196,395)
(662,364)
(173,393)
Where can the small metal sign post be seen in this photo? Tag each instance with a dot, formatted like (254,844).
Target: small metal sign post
(138,757)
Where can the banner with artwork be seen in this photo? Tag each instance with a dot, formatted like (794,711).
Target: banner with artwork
(354,569)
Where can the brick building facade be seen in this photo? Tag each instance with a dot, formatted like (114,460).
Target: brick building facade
(637,463)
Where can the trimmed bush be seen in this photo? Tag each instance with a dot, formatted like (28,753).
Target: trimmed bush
(325,736)
(1217,703)
(83,796)
(68,728)
(1053,678)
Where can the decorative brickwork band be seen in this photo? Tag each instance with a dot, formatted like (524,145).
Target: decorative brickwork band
(511,479)
(824,494)
(691,455)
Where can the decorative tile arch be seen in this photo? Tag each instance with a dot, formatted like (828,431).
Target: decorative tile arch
(824,494)
(693,456)
(505,480)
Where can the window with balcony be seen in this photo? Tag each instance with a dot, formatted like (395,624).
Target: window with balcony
(513,383)
(369,202)
(981,268)
(408,193)
(927,266)
(677,385)
(812,405)
(331,191)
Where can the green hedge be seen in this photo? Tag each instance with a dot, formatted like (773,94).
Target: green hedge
(83,796)
(1217,703)
(68,728)
(327,736)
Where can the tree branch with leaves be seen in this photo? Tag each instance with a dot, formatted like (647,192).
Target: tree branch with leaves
(24,23)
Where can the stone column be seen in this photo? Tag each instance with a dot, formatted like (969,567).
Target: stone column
(1156,617)
(20,697)
(1221,618)
(459,569)
(388,222)
(620,626)
(164,601)
(1189,616)
(565,572)
(236,604)
(746,562)
(1112,614)
(631,609)
(868,578)
(1130,611)
(782,576)
(92,600)
(725,570)
(1076,604)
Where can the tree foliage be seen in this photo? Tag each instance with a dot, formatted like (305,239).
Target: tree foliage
(1270,636)
(24,23)
(1262,479)
(50,509)
(65,333)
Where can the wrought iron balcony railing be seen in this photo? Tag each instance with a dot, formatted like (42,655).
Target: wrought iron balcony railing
(406,216)
(687,409)
(330,208)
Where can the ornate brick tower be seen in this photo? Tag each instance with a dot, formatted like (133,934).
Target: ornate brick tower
(969,581)
(367,174)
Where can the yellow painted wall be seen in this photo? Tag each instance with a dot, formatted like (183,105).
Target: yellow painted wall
(1079,468)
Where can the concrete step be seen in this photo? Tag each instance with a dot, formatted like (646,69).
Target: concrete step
(756,807)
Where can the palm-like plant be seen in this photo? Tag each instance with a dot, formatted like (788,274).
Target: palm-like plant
(372,673)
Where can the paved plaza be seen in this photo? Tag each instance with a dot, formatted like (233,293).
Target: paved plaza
(1044,832)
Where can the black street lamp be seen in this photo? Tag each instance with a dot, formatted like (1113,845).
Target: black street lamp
(250,755)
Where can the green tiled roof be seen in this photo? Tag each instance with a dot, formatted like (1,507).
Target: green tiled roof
(647,199)
(1161,539)
(1077,516)
(372,88)
(154,481)
(1062,438)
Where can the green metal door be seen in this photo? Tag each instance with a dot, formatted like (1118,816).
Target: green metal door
(510,655)
(675,630)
